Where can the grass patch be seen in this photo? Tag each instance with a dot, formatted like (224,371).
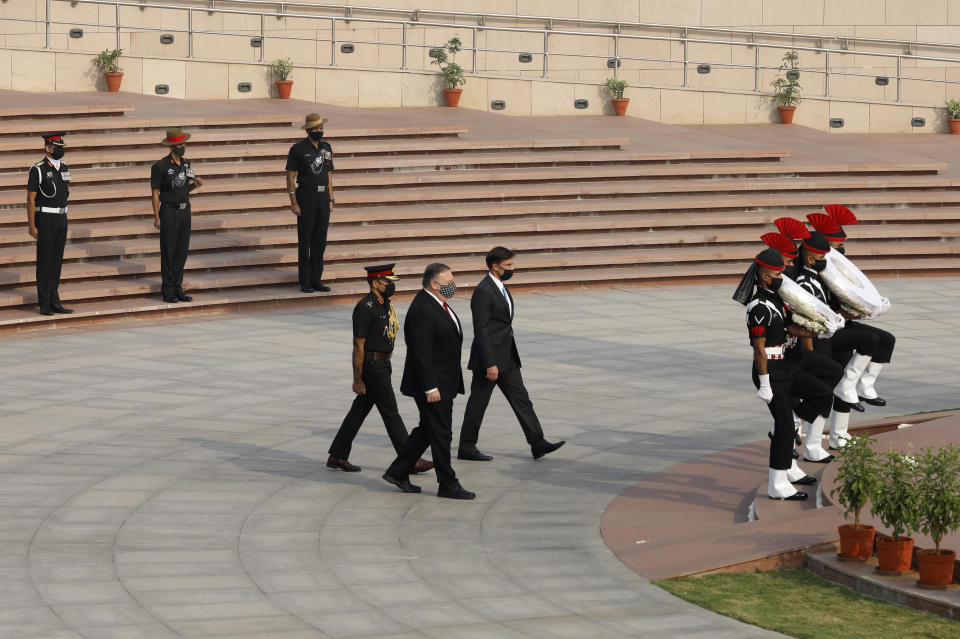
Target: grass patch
(801,604)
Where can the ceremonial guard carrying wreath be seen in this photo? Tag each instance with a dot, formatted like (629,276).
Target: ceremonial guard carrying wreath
(375,328)
(48,187)
(171,180)
(777,373)
(310,187)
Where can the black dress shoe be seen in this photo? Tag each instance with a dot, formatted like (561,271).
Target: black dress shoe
(806,480)
(306,289)
(859,407)
(342,464)
(321,288)
(545,448)
(797,496)
(876,401)
(825,460)
(45,310)
(183,297)
(474,456)
(57,307)
(457,492)
(170,299)
(402,484)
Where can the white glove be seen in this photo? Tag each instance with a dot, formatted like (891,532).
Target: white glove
(765,392)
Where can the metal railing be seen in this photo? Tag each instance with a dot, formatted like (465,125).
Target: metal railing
(613,62)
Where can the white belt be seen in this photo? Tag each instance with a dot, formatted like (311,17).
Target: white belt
(52,209)
(774,352)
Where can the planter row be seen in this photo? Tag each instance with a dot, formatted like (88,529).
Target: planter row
(897,556)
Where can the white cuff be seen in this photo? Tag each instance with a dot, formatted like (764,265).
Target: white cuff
(432,390)
(764,381)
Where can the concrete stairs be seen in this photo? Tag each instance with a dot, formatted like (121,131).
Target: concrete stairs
(579,210)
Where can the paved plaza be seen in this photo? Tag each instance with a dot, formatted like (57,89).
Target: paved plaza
(168,479)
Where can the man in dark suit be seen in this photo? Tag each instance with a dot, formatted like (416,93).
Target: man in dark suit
(495,361)
(432,377)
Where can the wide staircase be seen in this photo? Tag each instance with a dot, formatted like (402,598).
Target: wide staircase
(581,211)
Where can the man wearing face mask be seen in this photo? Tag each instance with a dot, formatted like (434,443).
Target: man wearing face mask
(310,187)
(375,328)
(777,371)
(432,377)
(171,180)
(48,187)
(495,361)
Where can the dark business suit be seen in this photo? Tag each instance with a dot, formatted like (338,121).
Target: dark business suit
(494,345)
(433,361)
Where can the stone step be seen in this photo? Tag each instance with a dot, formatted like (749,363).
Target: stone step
(566,268)
(348,194)
(42,113)
(113,126)
(20,161)
(560,232)
(777,204)
(84,232)
(389,174)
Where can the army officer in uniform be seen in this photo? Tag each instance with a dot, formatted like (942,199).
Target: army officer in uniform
(48,187)
(171,180)
(310,166)
(375,328)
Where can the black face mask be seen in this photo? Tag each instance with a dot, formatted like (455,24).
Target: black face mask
(819,265)
(790,272)
(316,136)
(390,289)
(58,152)
(179,151)
(775,285)
(842,250)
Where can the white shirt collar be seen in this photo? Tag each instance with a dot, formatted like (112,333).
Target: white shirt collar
(496,281)
(55,163)
(439,301)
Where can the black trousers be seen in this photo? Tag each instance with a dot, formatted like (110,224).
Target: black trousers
(822,366)
(51,238)
(435,432)
(789,380)
(174,245)
(854,336)
(312,227)
(885,340)
(511,384)
(376,376)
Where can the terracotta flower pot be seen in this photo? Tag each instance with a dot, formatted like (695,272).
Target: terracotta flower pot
(786,114)
(894,555)
(954,124)
(936,569)
(620,105)
(856,542)
(283,88)
(452,96)
(113,81)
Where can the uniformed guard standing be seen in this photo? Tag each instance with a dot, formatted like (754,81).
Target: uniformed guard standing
(777,372)
(375,328)
(310,166)
(171,180)
(48,187)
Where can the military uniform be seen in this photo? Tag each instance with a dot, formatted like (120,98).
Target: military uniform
(375,322)
(174,180)
(313,166)
(49,179)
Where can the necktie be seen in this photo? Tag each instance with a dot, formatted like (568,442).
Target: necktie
(505,296)
(445,307)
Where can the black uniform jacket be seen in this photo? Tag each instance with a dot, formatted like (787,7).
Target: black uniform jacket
(433,350)
(493,342)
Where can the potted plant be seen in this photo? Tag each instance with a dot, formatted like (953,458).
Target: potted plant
(786,87)
(953,115)
(938,482)
(280,70)
(616,88)
(107,62)
(451,72)
(856,478)
(896,503)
